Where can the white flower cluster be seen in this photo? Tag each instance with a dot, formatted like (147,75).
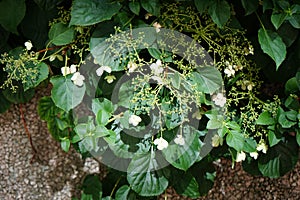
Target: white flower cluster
(231,69)
(77,78)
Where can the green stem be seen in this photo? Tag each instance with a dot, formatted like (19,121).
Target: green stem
(260,21)
(115,186)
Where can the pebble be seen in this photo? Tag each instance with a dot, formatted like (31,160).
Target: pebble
(54,175)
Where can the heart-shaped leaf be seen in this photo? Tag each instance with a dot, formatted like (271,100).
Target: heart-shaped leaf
(65,94)
(144,175)
(272,44)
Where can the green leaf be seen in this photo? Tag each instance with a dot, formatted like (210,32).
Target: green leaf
(92,186)
(292,103)
(202,5)
(176,80)
(279,159)
(219,12)
(184,156)
(19,96)
(273,140)
(249,145)
(235,140)
(272,44)
(291,86)
(135,7)
(49,4)
(283,119)
(250,6)
(151,6)
(104,105)
(267,4)
(103,110)
(288,34)
(187,186)
(89,12)
(215,121)
(61,34)
(265,118)
(122,193)
(126,93)
(54,130)
(278,18)
(4,103)
(65,144)
(155,53)
(144,176)
(207,80)
(42,72)
(271,169)
(204,172)
(295,20)
(47,109)
(11,14)
(298,137)
(65,94)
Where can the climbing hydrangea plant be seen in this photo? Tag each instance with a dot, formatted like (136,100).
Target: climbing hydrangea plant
(159,90)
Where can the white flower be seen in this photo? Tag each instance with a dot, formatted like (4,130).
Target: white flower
(131,66)
(28,45)
(157,67)
(134,120)
(109,79)
(157,79)
(68,70)
(77,79)
(157,27)
(229,71)
(179,140)
(73,69)
(262,147)
(161,143)
(240,156)
(65,71)
(254,155)
(219,99)
(101,70)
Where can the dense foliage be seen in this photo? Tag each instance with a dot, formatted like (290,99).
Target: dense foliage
(159,90)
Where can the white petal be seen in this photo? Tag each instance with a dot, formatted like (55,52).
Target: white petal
(107,69)
(134,120)
(75,76)
(240,156)
(65,71)
(73,69)
(254,155)
(99,71)
(28,45)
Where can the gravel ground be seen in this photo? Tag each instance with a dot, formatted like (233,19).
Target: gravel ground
(54,174)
